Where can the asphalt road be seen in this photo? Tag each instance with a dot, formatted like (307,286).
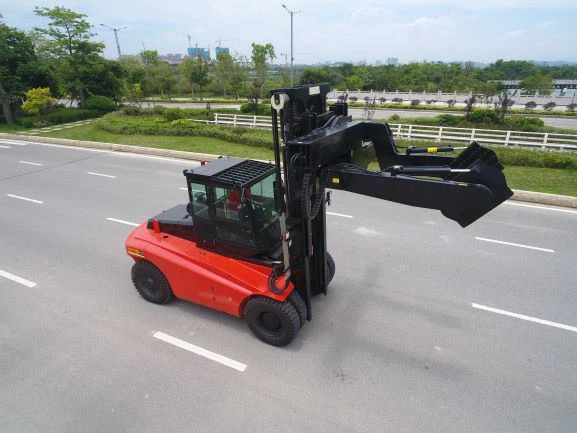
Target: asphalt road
(396,346)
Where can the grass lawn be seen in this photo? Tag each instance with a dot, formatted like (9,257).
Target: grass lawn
(215,146)
(549,180)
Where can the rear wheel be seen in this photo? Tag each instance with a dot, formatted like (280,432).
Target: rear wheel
(275,323)
(151,283)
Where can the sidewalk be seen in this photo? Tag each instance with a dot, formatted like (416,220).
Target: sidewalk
(56,127)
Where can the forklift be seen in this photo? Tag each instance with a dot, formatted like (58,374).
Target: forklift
(251,241)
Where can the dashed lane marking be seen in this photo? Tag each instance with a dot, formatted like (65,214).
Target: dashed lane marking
(238,366)
(529,247)
(524,317)
(128,223)
(24,198)
(30,163)
(17,279)
(100,174)
(339,214)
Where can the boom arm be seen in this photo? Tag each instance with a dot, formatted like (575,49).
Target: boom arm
(325,148)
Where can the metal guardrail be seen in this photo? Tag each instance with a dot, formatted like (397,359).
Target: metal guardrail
(542,140)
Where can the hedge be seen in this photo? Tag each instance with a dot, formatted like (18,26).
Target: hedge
(57,116)
(118,123)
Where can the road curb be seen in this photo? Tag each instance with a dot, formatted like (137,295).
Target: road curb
(544,198)
(519,195)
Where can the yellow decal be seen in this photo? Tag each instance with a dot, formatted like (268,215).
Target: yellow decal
(134,252)
(432,150)
(336,180)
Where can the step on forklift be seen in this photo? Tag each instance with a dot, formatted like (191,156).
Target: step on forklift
(251,241)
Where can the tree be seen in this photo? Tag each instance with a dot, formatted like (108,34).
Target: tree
(542,84)
(502,105)
(222,72)
(238,77)
(194,70)
(38,100)
(19,68)
(67,38)
(260,55)
(470,104)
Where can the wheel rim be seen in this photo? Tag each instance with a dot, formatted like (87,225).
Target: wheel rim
(270,324)
(149,285)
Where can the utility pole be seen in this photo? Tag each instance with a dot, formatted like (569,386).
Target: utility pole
(115,30)
(292,13)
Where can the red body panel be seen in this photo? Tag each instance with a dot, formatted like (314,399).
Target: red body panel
(199,275)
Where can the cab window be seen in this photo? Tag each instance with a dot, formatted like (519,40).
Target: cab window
(199,200)
(227,203)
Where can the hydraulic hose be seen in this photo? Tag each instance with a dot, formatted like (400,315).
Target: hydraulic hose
(310,211)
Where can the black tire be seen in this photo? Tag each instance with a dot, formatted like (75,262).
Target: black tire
(275,323)
(151,283)
(297,300)
(331,268)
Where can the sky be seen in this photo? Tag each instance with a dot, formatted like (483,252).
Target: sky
(332,30)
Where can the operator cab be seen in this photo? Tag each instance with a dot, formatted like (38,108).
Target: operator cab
(232,205)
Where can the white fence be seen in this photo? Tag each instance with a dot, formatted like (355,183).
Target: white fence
(438,133)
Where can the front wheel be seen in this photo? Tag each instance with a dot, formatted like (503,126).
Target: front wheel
(331,268)
(276,323)
(151,283)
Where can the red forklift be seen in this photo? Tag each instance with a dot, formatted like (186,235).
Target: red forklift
(251,241)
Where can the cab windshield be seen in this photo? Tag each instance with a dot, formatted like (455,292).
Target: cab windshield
(261,198)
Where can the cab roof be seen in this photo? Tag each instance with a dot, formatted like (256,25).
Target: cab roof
(230,172)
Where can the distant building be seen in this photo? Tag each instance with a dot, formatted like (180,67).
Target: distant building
(171,57)
(392,61)
(378,63)
(221,50)
(202,52)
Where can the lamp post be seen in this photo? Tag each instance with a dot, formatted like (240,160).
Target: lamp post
(115,30)
(292,13)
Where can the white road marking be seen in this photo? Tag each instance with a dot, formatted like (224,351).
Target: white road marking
(25,198)
(100,174)
(547,250)
(339,214)
(14,142)
(5,147)
(239,366)
(128,223)
(541,207)
(523,317)
(17,279)
(30,163)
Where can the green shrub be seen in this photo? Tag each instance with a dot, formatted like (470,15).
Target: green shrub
(171,114)
(448,120)
(535,158)
(259,110)
(100,103)
(132,110)
(529,124)
(119,123)
(55,117)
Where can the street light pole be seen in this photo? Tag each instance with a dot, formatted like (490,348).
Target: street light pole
(292,13)
(115,30)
